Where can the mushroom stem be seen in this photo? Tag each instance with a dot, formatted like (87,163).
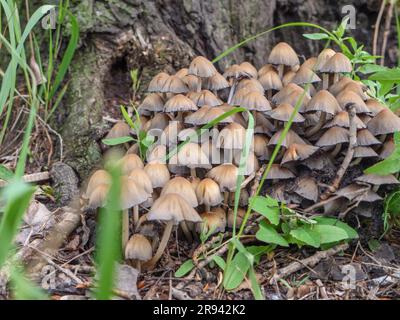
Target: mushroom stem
(226,198)
(336,77)
(135,214)
(281,69)
(318,126)
(193,172)
(179,116)
(186,231)
(232,91)
(208,207)
(141,220)
(382,138)
(375,188)
(125,228)
(325,81)
(336,150)
(163,244)
(138,265)
(228,158)
(269,95)
(355,162)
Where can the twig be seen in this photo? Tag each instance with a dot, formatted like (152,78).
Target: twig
(386,32)
(31,178)
(377,25)
(257,180)
(308,262)
(349,155)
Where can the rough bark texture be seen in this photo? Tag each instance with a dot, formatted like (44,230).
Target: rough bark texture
(162,35)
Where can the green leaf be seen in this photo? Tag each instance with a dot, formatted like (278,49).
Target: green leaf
(266,206)
(388,166)
(185,268)
(316,36)
(329,233)
(307,235)
(255,287)
(116,141)
(389,75)
(371,68)
(220,262)
(259,251)
(373,244)
(236,271)
(5,173)
(25,289)
(351,233)
(268,234)
(127,118)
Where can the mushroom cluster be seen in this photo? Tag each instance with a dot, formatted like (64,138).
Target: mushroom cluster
(191,186)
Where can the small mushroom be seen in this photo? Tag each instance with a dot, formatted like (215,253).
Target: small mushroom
(232,137)
(215,83)
(193,82)
(158,174)
(337,65)
(271,82)
(130,162)
(307,188)
(252,85)
(334,136)
(202,67)
(255,101)
(377,180)
(157,83)
(239,218)
(297,152)
(120,129)
(153,103)
(192,156)
(279,173)
(179,104)
(144,182)
(249,68)
(283,55)
(204,97)
(226,176)
(174,84)
(323,58)
(208,193)
(347,97)
(283,112)
(213,222)
(139,250)
(385,122)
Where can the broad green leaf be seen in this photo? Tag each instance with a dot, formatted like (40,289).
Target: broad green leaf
(255,287)
(307,235)
(236,271)
(389,74)
(117,141)
(329,233)
(316,36)
(388,166)
(5,173)
(268,234)
(185,268)
(351,233)
(220,262)
(258,251)
(266,206)
(373,244)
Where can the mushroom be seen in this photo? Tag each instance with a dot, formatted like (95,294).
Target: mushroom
(233,136)
(208,193)
(356,88)
(182,187)
(255,101)
(323,58)
(288,77)
(157,83)
(120,129)
(98,196)
(194,118)
(334,136)
(202,67)
(325,103)
(181,73)
(239,218)
(262,124)
(179,104)
(337,65)
(99,177)
(374,106)
(365,138)
(170,134)
(253,85)
(192,156)
(283,112)
(387,148)
(226,176)
(204,97)
(264,69)
(234,73)
(139,250)
(305,76)
(130,162)
(377,180)
(158,174)
(212,222)
(173,209)
(307,188)
(290,138)
(144,182)
(249,68)
(279,173)
(286,91)
(385,122)
(297,152)
(346,97)
(283,55)
(342,119)
(152,103)
(215,83)
(260,147)
(193,82)
(362,152)
(252,164)
(213,114)
(157,154)
(271,82)
(174,84)
(159,121)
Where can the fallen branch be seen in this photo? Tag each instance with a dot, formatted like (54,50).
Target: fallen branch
(257,180)
(31,178)
(307,262)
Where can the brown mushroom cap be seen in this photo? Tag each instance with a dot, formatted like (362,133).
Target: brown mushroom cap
(384,122)
(283,113)
(305,75)
(342,119)
(142,180)
(157,154)
(338,63)
(120,129)
(255,101)
(364,152)
(265,68)
(182,187)
(286,91)
(202,67)
(323,58)
(152,103)
(388,148)
(213,222)
(323,101)
(225,175)
(98,196)
(212,114)
(288,77)
(204,97)
(99,177)
(270,81)
(333,136)
(157,83)
(216,82)
(239,218)
(369,196)
(169,135)
(259,145)
(159,121)
(297,97)
(349,97)
(179,103)
(138,248)
(307,188)
(130,162)
(298,152)
(278,172)
(251,85)
(252,164)
(158,174)
(290,138)
(356,88)
(310,63)
(174,84)
(374,106)
(191,156)
(193,82)
(376,180)
(366,138)
(339,86)
(181,73)
(233,136)
(236,72)
(208,192)
(262,124)
(172,207)
(195,117)
(350,192)
(131,193)
(249,68)
(283,54)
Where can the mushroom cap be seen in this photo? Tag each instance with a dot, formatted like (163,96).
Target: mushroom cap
(290,138)
(208,192)
(193,82)
(213,153)
(138,248)
(152,103)
(252,164)
(158,174)
(120,129)
(307,188)
(231,217)
(357,88)
(233,136)
(131,193)
(265,68)
(262,124)
(202,67)
(323,101)
(174,84)
(190,155)
(376,180)
(99,177)
(182,187)
(225,175)
(98,196)
(364,152)
(338,87)
(286,91)
(216,82)
(369,196)
(142,179)
(249,68)
(338,63)
(204,97)
(284,54)
(251,85)
(130,162)
(283,112)
(270,80)
(350,97)
(172,207)
(278,172)
(366,138)
(384,122)
(159,121)
(239,95)
(179,103)
(190,133)
(213,222)
(235,71)
(259,145)
(388,148)
(342,119)
(169,135)
(288,77)
(350,192)
(305,75)
(181,73)
(212,114)
(195,117)
(298,152)
(323,58)
(333,136)
(297,97)
(255,101)
(157,154)
(374,106)
(157,83)
(310,63)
